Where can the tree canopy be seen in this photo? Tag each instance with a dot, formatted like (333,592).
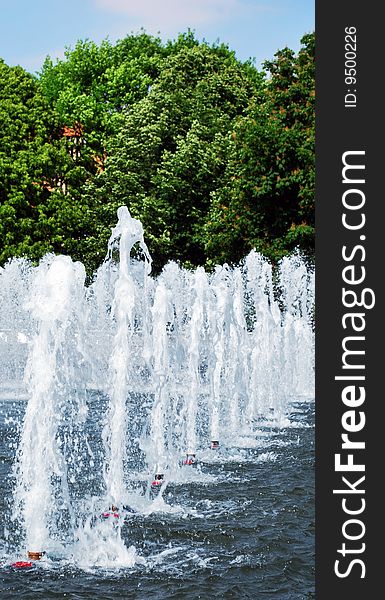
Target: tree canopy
(266,200)
(213,156)
(29,159)
(170,151)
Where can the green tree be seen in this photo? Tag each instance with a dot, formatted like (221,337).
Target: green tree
(90,92)
(55,130)
(214,157)
(171,152)
(37,214)
(28,160)
(95,84)
(266,200)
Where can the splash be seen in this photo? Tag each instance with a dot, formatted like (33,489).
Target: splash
(125,235)
(41,473)
(126,376)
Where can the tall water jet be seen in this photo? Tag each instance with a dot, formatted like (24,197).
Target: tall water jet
(238,346)
(162,317)
(168,356)
(218,319)
(195,338)
(135,372)
(266,392)
(296,282)
(125,235)
(40,469)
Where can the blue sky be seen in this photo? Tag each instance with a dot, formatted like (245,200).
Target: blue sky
(32,29)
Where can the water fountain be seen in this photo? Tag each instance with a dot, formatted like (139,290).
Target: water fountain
(40,470)
(128,377)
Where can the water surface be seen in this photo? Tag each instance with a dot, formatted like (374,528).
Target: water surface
(244,528)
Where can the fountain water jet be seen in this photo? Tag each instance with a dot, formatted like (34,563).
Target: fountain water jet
(56,294)
(128,376)
(125,235)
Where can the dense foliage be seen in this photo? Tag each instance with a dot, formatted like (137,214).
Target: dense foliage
(213,156)
(266,199)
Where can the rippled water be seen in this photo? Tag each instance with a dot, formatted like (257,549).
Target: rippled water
(242,527)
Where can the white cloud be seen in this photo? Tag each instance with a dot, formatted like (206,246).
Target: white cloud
(167,15)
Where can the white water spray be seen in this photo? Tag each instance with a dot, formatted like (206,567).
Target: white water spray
(125,235)
(175,361)
(55,297)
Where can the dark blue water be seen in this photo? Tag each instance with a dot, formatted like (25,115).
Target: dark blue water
(246,533)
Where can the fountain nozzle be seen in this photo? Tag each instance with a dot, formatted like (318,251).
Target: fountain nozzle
(35,555)
(190,459)
(158,480)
